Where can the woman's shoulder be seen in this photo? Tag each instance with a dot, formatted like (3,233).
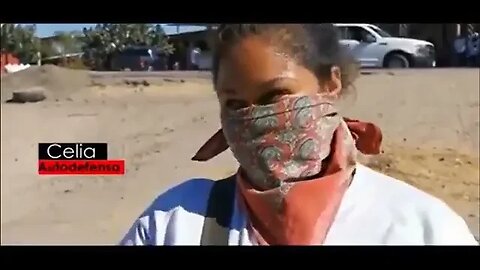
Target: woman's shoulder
(408,206)
(186,202)
(190,194)
(395,191)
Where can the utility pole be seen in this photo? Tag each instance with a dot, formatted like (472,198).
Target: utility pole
(459,30)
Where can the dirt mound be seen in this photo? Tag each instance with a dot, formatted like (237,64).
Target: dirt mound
(59,82)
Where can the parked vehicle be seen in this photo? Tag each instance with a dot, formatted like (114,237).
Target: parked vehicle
(139,59)
(373,47)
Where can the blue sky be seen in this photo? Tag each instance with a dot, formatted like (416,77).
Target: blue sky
(45,30)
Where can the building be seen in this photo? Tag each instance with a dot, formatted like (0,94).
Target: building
(186,41)
(55,48)
(441,35)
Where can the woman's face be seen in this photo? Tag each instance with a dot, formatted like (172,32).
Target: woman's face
(254,72)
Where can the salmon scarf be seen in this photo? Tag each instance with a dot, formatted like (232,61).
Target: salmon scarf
(300,137)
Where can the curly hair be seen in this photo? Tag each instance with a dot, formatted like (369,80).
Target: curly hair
(316,46)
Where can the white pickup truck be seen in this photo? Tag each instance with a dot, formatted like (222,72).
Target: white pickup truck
(373,47)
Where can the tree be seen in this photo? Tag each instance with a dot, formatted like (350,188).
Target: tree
(21,41)
(68,42)
(62,43)
(103,40)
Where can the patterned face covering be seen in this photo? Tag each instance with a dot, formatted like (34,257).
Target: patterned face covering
(276,144)
(281,142)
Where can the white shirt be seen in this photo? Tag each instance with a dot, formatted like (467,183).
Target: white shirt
(375,210)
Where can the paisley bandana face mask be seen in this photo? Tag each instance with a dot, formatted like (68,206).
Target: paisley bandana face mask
(294,138)
(281,142)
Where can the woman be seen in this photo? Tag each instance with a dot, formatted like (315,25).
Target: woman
(298,181)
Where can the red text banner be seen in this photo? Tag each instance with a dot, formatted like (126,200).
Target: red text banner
(81,167)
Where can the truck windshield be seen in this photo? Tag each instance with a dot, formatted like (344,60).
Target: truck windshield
(380,31)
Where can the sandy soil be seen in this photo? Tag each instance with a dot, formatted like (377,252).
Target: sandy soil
(430,119)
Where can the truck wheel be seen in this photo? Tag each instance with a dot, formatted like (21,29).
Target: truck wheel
(397,60)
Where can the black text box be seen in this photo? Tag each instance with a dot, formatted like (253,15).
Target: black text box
(72,151)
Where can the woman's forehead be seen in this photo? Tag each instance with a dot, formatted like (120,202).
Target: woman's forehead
(252,61)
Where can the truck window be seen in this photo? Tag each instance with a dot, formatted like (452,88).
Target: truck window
(359,34)
(380,31)
(343,32)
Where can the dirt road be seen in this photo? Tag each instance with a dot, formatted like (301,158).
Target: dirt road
(430,120)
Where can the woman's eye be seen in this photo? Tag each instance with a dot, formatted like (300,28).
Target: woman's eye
(234,104)
(273,96)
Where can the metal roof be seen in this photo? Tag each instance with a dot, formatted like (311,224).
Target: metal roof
(63,56)
(193,24)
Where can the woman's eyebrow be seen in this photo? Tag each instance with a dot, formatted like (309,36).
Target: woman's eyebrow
(278,79)
(266,84)
(228,90)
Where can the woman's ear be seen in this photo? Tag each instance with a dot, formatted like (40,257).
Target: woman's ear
(332,87)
